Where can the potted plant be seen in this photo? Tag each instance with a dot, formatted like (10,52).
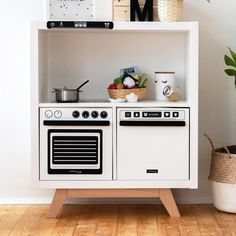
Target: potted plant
(223,161)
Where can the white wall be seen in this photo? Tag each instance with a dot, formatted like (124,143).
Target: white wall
(217,93)
(15,17)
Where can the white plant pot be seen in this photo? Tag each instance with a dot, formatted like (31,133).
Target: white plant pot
(224,196)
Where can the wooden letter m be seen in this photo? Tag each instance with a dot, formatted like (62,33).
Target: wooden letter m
(147,10)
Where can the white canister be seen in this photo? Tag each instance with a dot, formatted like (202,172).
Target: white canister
(164,85)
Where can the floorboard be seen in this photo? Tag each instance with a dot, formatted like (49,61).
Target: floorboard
(115,220)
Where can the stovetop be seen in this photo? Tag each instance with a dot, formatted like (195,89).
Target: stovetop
(107,103)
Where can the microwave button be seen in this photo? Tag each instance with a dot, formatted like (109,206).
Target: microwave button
(175,114)
(167,114)
(128,114)
(136,114)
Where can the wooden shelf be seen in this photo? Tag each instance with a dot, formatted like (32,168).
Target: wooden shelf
(168,27)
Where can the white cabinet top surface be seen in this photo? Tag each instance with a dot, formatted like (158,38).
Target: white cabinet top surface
(109,104)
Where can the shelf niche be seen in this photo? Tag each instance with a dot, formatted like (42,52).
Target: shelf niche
(69,57)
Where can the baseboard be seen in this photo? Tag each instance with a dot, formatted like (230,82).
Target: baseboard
(30,201)
(24,201)
(194,200)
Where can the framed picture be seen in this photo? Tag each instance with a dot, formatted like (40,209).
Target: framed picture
(70,10)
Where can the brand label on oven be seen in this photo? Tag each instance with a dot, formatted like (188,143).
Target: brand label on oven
(152,171)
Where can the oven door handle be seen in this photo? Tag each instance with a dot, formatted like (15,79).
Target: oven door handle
(76,123)
(153,123)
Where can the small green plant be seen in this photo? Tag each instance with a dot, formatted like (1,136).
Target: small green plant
(231,61)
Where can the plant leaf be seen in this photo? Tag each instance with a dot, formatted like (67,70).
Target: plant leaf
(230,72)
(118,80)
(233,54)
(144,81)
(229,61)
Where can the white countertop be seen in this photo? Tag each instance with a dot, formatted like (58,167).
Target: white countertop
(124,104)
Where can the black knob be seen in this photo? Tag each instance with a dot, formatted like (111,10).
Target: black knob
(85,114)
(75,114)
(104,114)
(94,114)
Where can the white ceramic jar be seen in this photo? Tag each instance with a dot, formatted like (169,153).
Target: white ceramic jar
(164,85)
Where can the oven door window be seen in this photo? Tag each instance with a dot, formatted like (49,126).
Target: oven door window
(74,152)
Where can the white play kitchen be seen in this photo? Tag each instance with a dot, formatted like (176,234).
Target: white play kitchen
(101,145)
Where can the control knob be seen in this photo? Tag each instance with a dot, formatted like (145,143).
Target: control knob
(104,115)
(85,114)
(58,114)
(75,114)
(94,114)
(48,114)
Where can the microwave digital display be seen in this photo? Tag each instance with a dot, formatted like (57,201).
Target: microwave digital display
(151,114)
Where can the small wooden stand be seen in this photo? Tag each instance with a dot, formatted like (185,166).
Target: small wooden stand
(61,195)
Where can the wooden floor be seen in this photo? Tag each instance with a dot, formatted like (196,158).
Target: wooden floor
(109,220)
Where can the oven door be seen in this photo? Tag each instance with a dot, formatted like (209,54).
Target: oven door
(152,149)
(75,152)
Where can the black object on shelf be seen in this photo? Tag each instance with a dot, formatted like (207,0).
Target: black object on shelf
(80,24)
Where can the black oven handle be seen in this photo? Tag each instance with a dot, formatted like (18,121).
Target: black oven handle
(76,123)
(152,123)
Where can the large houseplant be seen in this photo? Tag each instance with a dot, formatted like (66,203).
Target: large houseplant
(223,161)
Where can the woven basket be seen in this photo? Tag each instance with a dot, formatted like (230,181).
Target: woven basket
(223,164)
(122,93)
(170,10)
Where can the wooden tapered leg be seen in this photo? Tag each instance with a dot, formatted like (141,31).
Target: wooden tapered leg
(168,201)
(59,198)
(61,195)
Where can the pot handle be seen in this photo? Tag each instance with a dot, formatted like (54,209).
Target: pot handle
(213,147)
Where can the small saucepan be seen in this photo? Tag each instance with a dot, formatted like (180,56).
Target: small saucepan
(68,95)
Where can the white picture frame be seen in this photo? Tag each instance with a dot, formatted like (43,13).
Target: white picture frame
(70,10)
(102,11)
